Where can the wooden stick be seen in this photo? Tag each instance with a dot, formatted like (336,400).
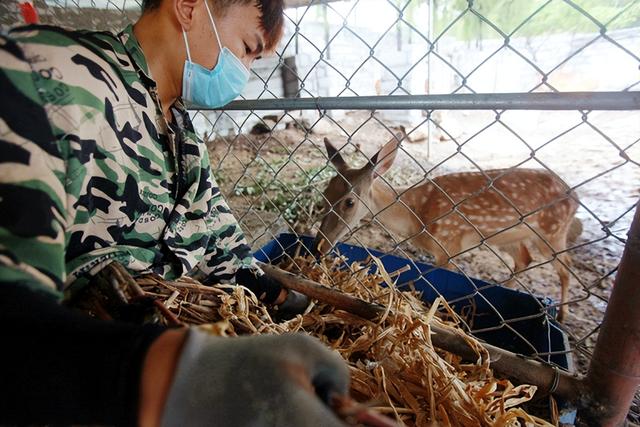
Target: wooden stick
(116,270)
(322,293)
(400,271)
(527,371)
(172,320)
(122,276)
(542,375)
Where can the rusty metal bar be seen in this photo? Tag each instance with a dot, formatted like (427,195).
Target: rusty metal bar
(614,371)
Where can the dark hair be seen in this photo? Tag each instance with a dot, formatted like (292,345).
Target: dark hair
(271,19)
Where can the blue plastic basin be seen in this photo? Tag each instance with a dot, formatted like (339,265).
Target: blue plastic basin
(510,319)
(504,317)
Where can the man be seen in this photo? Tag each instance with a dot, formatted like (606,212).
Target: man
(99,163)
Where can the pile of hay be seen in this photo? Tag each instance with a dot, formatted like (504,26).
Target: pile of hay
(394,366)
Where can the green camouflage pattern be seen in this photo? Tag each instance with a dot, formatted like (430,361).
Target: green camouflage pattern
(91,172)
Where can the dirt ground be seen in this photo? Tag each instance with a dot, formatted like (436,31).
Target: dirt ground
(586,158)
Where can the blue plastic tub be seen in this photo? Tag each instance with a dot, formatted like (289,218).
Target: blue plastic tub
(504,317)
(494,307)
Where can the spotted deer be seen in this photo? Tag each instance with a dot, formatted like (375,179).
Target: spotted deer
(449,214)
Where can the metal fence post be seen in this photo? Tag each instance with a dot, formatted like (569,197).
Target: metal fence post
(614,371)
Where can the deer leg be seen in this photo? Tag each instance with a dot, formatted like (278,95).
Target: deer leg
(521,259)
(433,248)
(441,258)
(560,262)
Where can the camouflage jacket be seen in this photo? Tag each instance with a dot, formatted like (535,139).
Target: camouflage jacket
(91,172)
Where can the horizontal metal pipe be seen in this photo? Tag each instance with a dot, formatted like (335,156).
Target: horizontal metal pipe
(475,101)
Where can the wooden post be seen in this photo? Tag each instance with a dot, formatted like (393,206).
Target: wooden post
(614,371)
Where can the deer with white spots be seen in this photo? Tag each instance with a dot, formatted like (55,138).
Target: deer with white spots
(449,214)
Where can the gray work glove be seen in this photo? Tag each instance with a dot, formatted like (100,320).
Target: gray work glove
(255,381)
(267,290)
(295,303)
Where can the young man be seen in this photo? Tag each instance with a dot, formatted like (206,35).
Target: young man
(99,163)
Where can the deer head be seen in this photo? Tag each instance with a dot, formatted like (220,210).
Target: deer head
(348,197)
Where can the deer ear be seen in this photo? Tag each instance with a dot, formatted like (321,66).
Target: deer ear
(334,155)
(384,158)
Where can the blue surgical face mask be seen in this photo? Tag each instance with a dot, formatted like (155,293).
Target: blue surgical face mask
(213,88)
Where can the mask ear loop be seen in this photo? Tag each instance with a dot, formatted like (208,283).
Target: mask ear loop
(186,87)
(215,30)
(186,43)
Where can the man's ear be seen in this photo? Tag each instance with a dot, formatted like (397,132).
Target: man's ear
(334,155)
(183,10)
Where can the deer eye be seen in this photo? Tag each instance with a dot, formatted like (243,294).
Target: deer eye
(349,203)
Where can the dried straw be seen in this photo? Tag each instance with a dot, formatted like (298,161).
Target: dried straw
(394,365)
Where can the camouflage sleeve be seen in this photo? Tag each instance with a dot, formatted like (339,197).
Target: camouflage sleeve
(32,192)
(227,250)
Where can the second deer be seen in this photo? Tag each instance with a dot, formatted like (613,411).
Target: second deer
(453,213)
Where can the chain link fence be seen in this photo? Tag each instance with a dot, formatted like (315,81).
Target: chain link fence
(483,86)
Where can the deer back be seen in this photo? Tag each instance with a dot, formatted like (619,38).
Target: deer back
(493,201)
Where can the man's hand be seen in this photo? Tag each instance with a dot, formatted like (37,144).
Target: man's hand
(270,291)
(265,380)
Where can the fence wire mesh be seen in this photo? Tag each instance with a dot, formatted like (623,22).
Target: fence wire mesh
(273,167)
